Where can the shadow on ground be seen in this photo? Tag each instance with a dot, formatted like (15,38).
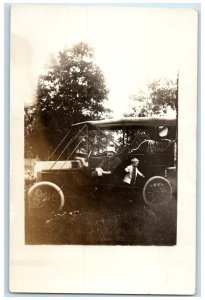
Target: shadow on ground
(105,220)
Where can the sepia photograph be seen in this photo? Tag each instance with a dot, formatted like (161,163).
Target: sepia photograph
(100,103)
(101,135)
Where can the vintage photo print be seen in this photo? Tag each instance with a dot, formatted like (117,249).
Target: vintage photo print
(103,126)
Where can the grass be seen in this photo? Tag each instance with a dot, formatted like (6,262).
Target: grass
(106,220)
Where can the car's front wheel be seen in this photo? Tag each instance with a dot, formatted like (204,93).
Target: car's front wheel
(44,198)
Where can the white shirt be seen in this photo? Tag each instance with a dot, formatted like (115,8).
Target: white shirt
(128,177)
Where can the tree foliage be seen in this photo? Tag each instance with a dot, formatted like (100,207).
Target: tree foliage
(73,90)
(159,98)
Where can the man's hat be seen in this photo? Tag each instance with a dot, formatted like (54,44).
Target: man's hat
(134,159)
(111,149)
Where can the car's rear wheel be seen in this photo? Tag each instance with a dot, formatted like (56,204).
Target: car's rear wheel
(157,190)
(45,198)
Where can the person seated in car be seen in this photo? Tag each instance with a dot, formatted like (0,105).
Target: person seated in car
(108,163)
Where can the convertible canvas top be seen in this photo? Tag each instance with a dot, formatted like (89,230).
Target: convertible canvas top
(130,122)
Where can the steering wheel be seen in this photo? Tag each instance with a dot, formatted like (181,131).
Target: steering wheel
(149,143)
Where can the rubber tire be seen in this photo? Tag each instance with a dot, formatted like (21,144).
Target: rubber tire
(166,194)
(50,195)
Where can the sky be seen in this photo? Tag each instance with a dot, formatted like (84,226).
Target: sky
(132,45)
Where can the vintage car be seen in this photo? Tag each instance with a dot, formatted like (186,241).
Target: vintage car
(75,166)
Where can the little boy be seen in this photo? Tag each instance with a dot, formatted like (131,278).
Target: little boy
(132,172)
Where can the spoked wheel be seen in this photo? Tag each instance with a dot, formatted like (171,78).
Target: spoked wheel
(157,190)
(44,198)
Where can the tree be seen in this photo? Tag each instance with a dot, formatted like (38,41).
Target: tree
(73,90)
(159,98)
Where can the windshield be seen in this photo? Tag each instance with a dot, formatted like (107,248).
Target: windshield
(98,141)
(83,141)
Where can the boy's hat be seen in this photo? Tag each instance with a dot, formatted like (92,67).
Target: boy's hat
(134,159)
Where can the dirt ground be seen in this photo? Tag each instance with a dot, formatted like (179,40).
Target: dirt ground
(105,220)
